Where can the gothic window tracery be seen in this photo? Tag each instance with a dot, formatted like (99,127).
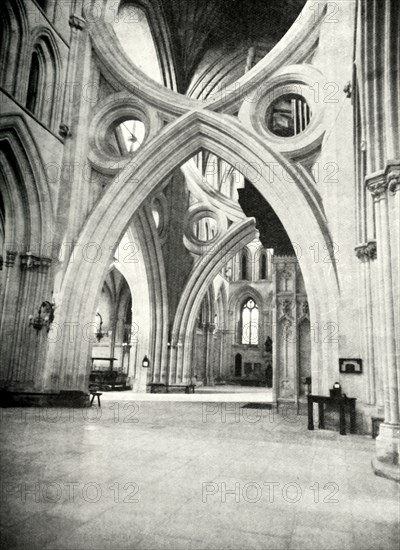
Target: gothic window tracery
(249,317)
(244,267)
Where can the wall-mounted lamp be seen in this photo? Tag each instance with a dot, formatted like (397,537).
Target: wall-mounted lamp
(145,362)
(99,332)
(44,318)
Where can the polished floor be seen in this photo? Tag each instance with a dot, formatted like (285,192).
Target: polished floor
(179,475)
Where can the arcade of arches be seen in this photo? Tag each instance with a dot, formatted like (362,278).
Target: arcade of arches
(226,205)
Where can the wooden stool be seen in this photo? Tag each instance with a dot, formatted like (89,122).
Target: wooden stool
(94,394)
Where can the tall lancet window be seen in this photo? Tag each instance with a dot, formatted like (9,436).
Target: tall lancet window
(243,267)
(250,323)
(263,266)
(134,33)
(32,98)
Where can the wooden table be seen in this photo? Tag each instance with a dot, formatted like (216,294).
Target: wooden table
(341,403)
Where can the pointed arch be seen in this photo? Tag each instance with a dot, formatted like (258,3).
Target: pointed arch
(199,282)
(263,267)
(44,80)
(245,265)
(25,188)
(13,46)
(178,142)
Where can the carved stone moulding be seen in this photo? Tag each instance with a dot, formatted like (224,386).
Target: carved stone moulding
(32,262)
(388,179)
(298,81)
(108,114)
(393,177)
(76,22)
(303,309)
(10,258)
(366,252)
(286,306)
(195,214)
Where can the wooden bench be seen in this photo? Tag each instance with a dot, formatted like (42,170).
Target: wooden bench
(158,385)
(94,394)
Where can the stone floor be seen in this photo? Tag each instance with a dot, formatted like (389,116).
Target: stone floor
(213,393)
(176,475)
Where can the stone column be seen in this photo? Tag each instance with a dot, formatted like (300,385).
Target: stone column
(285,328)
(77,25)
(387,443)
(210,327)
(366,253)
(8,301)
(222,334)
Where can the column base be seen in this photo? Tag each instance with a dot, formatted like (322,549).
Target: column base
(386,463)
(389,471)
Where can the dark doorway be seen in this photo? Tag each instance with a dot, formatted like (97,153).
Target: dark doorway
(238,365)
(268,375)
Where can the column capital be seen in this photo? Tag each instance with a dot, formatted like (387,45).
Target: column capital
(377,185)
(393,177)
(387,179)
(10,258)
(76,22)
(366,252)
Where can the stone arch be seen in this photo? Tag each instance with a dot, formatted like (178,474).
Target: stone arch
(26,191)
(160,32)
(118,68)
(45,47)
(246,291)
(236,302)
(222,305)
(178,142)
(153,260)
(14,27)
(27,209)
(199,283)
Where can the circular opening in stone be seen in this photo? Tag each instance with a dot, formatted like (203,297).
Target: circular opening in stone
(126,137)
(205,229)
(288,115)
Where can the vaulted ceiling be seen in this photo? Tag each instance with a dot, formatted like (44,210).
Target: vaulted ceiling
(197,26)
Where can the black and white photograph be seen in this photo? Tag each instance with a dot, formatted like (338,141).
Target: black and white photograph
(200,274)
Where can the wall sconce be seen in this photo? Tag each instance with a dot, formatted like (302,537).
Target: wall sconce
(44,318)
(99,332)
(145,362)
